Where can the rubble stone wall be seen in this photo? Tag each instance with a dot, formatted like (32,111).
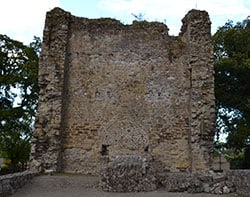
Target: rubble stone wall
(10,183)
(241,179)
(114,89)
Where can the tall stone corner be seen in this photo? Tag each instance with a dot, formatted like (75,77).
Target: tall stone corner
(196,30)
(46,141)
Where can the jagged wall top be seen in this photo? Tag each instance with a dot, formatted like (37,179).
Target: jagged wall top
(111,88)
(192,16)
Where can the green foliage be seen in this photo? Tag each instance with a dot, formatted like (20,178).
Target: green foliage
(232,82)
(241,160)
(18,97)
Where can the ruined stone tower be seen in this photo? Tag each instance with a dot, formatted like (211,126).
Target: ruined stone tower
(112,89)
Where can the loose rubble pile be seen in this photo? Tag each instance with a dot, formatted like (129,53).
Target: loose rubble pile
(137,173)
(129,174)
(210,182)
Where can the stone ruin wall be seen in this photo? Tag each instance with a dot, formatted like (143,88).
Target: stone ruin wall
(113,89)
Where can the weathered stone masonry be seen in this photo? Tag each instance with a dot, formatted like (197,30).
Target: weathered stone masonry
(110,89)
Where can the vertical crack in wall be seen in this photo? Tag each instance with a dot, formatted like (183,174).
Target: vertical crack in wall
(190,121)
(64,98)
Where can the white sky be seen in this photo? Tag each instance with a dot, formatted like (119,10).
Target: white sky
(23,19)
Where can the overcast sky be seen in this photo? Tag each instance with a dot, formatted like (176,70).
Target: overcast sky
(22,19)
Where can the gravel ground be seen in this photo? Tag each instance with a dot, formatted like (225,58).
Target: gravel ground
(85,186)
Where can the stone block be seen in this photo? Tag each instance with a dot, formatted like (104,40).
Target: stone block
(130,173)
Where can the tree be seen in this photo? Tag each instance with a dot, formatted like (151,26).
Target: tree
(232,82)
(18,97)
